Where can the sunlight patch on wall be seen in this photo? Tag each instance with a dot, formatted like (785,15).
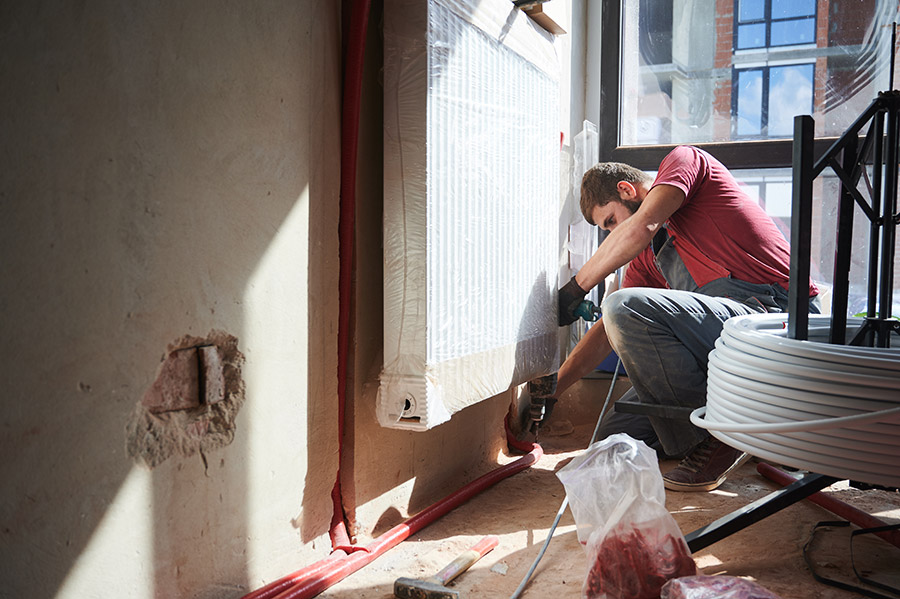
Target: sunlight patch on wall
(119,558)
(276,348)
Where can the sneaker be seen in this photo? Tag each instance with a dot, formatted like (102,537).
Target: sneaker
(705,468)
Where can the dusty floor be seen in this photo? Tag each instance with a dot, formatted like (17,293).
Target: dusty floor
(521,509)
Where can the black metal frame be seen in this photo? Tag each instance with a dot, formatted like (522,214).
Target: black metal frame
(881,142)
(883,145)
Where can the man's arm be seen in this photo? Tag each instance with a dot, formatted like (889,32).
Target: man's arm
(590,351)
(631,236)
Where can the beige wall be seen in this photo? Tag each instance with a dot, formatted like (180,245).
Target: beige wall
(169,169)
(173,171)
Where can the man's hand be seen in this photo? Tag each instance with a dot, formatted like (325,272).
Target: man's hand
(570,296)
(542,401)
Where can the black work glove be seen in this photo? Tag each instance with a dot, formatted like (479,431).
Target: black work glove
(570,296)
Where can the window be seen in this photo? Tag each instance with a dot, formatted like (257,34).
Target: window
(770,23)
(731,75)
(764,99)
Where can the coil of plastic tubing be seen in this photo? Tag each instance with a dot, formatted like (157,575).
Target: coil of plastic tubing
(830,409)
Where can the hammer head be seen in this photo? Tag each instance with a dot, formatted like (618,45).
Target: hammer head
(413,588)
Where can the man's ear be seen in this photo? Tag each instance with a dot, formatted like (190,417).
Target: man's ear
(626,190)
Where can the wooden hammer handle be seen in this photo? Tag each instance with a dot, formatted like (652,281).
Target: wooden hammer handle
(465,560)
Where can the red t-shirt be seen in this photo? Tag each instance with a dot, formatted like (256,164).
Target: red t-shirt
(727,230)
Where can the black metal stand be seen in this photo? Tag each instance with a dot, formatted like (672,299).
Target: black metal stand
(883,117)
(881,141)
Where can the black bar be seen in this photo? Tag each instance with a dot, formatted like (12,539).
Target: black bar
(750,154)
(874,228)
(843,248)
(893,49)
(608,119)
(801,228)
(756,511)
(890,207)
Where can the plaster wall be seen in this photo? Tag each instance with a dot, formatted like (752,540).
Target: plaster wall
(169,169)
(172,170)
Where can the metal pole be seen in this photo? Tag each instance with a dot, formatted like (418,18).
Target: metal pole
(890,207)
(843,247)
(801,228)
(874,227)
(893,50)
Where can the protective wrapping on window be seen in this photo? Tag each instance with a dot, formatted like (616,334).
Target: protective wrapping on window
(471,206)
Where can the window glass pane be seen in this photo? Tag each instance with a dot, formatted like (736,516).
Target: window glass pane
(655,32)
(783,9)
(749,103)
(696,87)
(772,189)
(790,94)
(752,10)
(778,196)
(751,36)
(788,33)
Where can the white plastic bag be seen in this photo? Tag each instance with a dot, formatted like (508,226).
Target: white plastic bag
(714,587)
(634,546)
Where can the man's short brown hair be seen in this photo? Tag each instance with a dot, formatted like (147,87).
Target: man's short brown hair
(598,186)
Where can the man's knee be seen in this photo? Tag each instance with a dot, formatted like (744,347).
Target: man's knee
(619,307)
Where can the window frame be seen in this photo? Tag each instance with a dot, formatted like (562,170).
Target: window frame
(743,154)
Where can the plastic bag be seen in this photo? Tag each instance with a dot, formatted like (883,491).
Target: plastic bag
(714,587)
(634,546)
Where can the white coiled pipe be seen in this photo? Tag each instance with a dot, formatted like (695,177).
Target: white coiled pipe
(831,409)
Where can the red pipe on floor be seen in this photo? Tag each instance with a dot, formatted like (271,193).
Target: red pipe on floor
(314,579)
(833,505)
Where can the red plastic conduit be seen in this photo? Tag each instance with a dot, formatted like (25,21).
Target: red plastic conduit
(314,579)
(353,69)
(833,505)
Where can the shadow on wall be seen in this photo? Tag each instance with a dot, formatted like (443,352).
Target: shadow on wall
(153,155)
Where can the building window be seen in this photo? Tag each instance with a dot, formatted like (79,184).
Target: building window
(729,75)
(764,99)
(770,23)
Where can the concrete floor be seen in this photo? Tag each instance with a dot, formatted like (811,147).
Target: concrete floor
(521,509)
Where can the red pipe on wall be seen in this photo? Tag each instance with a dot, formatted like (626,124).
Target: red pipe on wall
(833,505)
(353,69)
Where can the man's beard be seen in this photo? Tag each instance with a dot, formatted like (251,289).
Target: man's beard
(631,205)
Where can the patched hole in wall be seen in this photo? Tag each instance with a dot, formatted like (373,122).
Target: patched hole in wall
(192,404)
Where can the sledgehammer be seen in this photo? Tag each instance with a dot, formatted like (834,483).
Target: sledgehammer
(433,586)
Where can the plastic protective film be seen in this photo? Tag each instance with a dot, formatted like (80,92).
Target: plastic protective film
(471,201)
